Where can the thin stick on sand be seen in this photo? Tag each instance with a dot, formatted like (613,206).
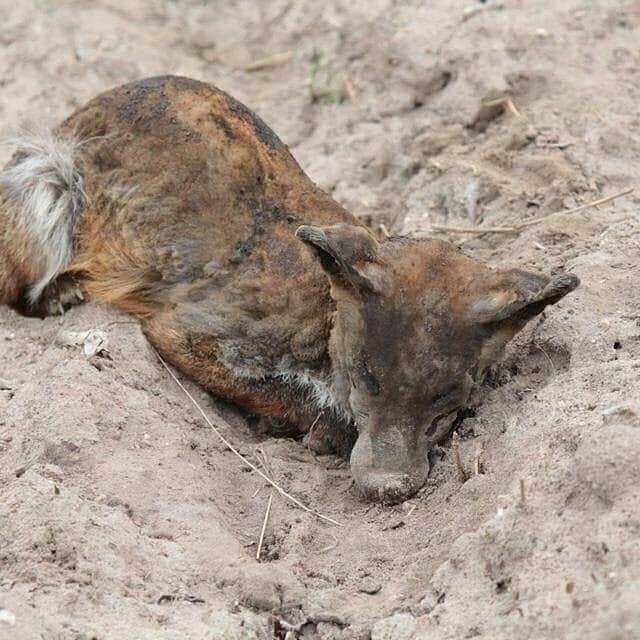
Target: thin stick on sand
(529,223)
(522,493)
(477,458)
(264,526)
(275,60)
(455,447)
(231,448)
(262,457)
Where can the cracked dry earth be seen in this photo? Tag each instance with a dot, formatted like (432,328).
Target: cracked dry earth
(122,516)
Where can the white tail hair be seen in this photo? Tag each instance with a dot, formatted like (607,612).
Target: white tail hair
(44,184)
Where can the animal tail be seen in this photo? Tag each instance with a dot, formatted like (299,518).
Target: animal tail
(41,198)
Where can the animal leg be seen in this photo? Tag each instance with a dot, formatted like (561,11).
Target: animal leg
(59,296)
(56,298)
(195,352)
(327,436)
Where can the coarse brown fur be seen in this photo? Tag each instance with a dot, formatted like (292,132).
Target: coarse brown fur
(192,208)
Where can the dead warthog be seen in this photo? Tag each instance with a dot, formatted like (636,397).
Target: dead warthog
(174,202)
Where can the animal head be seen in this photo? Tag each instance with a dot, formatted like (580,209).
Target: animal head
(416,324)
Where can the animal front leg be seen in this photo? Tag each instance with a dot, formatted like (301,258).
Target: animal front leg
(327,435)
(62,294)
(56,298)
(189,337)
(322,435)
(190,342)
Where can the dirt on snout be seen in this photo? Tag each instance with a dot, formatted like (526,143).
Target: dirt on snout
(123,516)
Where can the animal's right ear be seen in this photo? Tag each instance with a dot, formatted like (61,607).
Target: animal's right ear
(521,295)
(348,254)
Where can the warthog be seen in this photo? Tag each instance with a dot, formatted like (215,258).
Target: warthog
(172,201)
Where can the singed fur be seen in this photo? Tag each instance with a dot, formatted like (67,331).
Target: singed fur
(183,208)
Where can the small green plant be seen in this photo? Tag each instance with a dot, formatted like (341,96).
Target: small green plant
(326,83)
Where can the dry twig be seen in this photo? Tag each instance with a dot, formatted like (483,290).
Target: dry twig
(522,493)
(271,61)
(349,89)
(233,450)
(512,107)
(504,101)
(477,458)
(382,227)
(529,223)
(455,448)
(469,12)
(264,461)
(264,526)
(330,547)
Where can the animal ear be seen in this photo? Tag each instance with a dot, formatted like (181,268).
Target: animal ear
(521,295)
(347,253)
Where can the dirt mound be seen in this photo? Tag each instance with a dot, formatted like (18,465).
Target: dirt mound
(123,516)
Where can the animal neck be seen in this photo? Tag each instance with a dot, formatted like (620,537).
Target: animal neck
(314,367)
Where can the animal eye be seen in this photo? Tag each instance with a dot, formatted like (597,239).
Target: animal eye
(370,381)
(443,395)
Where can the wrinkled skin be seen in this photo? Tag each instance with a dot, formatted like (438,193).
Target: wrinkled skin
(417,323)
(259,286)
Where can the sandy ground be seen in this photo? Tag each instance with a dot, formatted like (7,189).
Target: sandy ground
(121,514)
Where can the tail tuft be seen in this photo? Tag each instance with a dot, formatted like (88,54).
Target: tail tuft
(46,188)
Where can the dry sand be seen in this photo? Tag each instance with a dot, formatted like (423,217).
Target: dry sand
(121,514)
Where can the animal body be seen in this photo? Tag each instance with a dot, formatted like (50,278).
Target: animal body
(172,201)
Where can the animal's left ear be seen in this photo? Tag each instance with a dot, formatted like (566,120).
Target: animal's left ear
(520,295)
(348,254)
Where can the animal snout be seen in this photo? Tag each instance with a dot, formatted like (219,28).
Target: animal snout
(391,488)
(386,468)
